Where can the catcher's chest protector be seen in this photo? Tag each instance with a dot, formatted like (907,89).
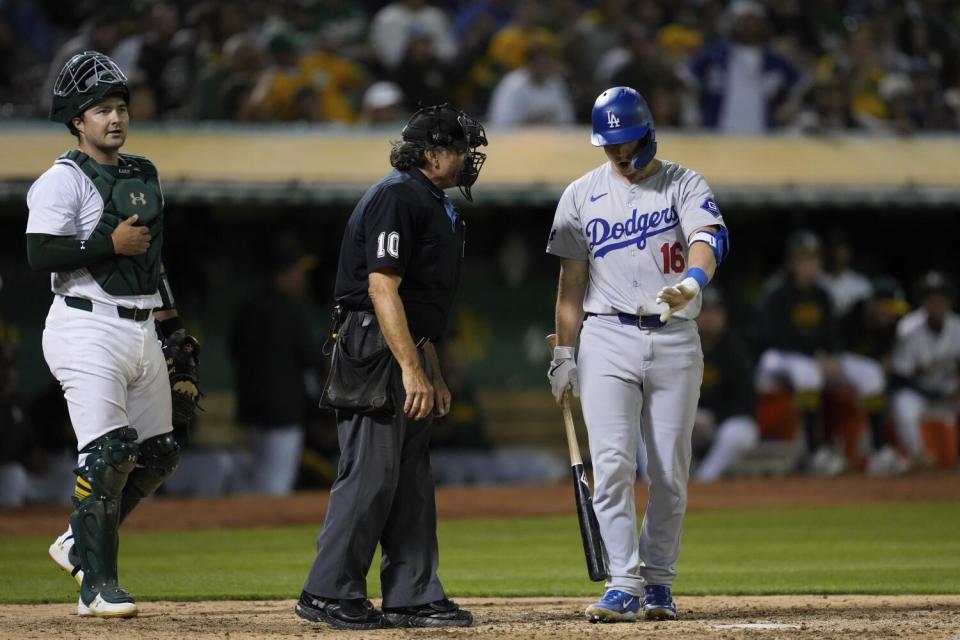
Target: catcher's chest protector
(130,189)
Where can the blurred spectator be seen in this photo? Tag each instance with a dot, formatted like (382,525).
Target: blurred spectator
(28,24)
(382,103)
(498,13)
(225,85)
(54,456)
(273,349)
(640,64)
(212,23)
(100,33)
(825,109)
(596,31)
(37,450)
(421,74)
(394,25)
(858,65)
(508,48)
(799,339)
(534,94)
(724,429)
(473,74)
(162,57)
(845,286)
(745,87)
(461,451)
(17,444)
(341,24)
(311,87)
(27,42)
(926,365)
(868,330)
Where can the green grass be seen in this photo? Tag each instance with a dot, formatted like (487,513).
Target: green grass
(888,549)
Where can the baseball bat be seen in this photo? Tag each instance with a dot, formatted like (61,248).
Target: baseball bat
(589,527)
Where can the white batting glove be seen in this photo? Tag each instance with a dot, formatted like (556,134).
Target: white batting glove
(563,373)
(677,297)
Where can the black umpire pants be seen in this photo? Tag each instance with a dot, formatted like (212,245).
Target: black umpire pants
(383,494)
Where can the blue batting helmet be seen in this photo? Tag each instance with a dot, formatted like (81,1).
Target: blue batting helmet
(620,114)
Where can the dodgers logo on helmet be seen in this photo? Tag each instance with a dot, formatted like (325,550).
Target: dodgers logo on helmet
(620,115)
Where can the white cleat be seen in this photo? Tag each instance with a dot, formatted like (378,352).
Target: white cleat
(100,608)
(60,553)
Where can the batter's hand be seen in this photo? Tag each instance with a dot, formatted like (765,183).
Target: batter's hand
(130,240)
(677,297)
(420,393)
(441,396)
(563,373)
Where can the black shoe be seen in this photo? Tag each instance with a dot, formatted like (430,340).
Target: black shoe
(442,613)
(342,614)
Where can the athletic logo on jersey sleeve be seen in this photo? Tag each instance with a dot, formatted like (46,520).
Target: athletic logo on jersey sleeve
(710,206)
(635,230)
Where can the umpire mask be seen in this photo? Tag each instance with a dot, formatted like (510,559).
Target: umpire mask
(443,126)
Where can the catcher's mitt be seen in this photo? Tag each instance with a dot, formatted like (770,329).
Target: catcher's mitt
(183,366)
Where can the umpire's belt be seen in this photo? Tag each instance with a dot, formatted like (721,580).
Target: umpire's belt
(366,318)
(103,309)
(642,322)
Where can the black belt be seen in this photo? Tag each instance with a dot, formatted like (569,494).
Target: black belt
(122,312)
(641,322)
(367,317)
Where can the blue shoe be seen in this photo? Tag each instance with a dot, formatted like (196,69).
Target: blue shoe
(614,606)
(658,603)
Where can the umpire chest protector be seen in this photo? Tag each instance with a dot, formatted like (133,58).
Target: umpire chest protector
(132,188)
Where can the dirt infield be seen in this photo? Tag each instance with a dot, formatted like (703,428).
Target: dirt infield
(494,502)
(730,618)
(769,617)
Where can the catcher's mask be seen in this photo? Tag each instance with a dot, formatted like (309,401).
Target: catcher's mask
(620,114)
(86,79)
(443,126)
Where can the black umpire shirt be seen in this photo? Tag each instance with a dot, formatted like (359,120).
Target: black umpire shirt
(405,223)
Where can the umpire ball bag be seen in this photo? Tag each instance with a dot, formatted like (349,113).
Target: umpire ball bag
(364,376)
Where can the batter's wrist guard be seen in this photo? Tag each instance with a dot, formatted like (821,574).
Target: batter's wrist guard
(699,275)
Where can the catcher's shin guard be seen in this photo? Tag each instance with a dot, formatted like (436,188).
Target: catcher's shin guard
(96,516)
(159,457)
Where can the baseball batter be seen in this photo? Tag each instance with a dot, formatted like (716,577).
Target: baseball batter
(638,239)
(96,222)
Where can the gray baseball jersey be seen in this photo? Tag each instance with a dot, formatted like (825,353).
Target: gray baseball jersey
(635,236)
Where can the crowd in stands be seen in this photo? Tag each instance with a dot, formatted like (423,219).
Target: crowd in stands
(730,66)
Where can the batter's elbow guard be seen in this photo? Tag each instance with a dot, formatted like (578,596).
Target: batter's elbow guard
(718,241)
